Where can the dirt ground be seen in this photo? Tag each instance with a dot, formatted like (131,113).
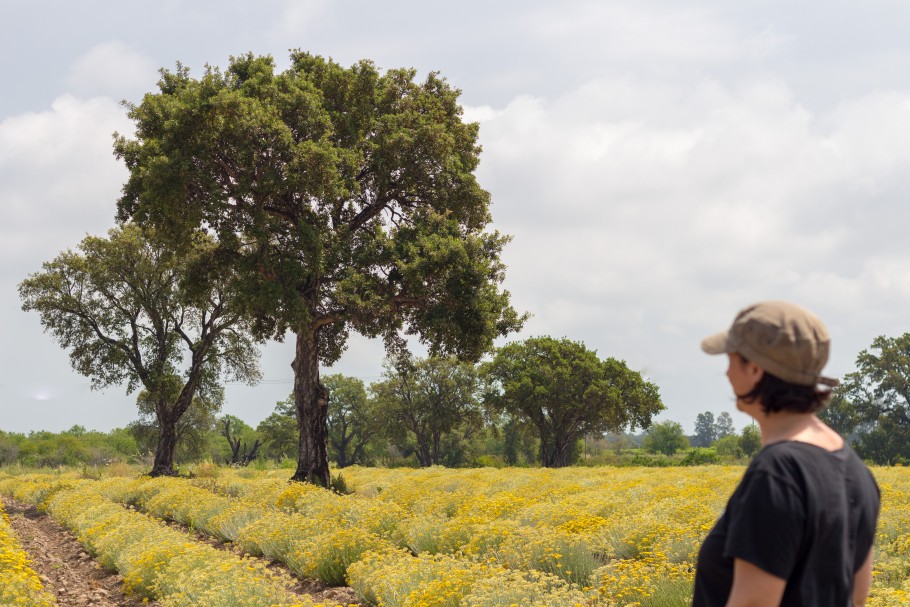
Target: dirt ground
(66,569)
(77,580)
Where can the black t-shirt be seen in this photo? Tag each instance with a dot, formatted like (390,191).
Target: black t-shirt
(801,513)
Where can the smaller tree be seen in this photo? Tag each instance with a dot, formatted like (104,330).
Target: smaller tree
(665,437)
(520,443)
(750,440)
(279,431)
(132,310)
(841,415)
(565,391)
(705,430)
(724,426)
(729,446)
(428,399)
(241,452)
(351,418)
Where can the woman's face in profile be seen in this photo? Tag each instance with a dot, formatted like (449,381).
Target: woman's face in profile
(742,375)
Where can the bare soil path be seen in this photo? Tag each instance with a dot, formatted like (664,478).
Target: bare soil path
(66,569)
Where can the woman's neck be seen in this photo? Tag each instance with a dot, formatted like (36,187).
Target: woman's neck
(802,427)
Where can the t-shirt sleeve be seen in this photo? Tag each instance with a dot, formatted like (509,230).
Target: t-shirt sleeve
(766,524)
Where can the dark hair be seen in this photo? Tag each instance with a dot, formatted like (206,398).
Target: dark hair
(775,394)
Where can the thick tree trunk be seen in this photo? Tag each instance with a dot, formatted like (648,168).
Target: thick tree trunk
(437,438)
(311,400)
(167,443)
(553,453)
(424,457)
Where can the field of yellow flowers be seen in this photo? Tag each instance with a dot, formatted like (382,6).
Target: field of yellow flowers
(20,585)
(599,537)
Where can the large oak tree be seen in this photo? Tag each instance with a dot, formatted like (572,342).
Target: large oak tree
(346,198)
(131,310)
(566,392)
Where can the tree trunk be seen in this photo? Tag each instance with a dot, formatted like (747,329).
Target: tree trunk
(311,401)
(553,453)
(559,456)
(167,443)
(168,416)
(437,438)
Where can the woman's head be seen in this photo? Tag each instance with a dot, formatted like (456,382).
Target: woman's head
(784,348)
(771,392)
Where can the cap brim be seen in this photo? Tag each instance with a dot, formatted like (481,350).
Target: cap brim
(716,344)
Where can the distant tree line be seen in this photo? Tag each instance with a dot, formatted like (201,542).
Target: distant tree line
(544,401)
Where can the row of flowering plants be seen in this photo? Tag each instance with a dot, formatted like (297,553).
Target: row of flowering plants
(538,538)
(602,537)
(630,535)
(20,585)
(156,561)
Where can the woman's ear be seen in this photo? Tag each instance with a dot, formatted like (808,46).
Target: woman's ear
(754,372)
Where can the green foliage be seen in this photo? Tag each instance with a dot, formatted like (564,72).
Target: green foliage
(131,309)
(665,437)
(344,197)
(244,438)
(521,444)
(352,420)
(705,430)
(565,391)
(192,429)
(278,432)
(729,447)
(68,448)
(339,485)
(700,456)
(841,415)
(750,440)
(724,425)
(431,401)
(884,442)
(708,429)
(878,393)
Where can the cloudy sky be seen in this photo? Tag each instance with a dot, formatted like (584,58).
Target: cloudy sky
(660,164)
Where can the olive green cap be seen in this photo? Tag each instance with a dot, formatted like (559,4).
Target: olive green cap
(782,338)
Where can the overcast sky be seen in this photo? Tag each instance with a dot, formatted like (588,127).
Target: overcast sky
(660,164)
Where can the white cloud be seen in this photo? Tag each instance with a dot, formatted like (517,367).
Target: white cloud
(645,214)
(58,176)
(298,17)
(643,32)
(112,69)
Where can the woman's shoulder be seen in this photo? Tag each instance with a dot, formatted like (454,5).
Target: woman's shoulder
(792,457)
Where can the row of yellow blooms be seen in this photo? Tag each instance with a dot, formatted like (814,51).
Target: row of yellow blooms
(20,586)
(605,537)
(155,561)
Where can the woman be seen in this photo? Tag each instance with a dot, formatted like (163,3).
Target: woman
(798,529)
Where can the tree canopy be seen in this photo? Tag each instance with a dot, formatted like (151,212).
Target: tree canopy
(723,426)
(665,437)
(351,417)
(429,399)
(279,431)
(566,391)
(132,311)
(345,197)
(874,401)
(705,430)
